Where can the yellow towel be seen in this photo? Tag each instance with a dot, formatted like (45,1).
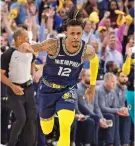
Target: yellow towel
(60,7)
(121,18)
(22,1)
(118,12)
(101,28)
(94,17)
(128,19)
(13,13)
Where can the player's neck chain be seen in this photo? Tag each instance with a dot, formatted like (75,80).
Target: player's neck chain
(65,49)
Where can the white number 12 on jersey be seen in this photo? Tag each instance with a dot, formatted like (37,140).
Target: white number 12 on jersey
(64,71)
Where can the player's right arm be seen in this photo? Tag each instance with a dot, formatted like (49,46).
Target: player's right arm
(49,45)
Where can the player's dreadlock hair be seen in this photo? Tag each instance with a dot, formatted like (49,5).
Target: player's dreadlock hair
(73,17)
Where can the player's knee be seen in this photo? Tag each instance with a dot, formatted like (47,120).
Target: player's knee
(47,125)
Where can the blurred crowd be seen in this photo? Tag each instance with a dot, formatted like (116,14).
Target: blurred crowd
(109,25)
(109,29)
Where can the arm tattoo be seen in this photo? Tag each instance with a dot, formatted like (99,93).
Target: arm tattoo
(49,45)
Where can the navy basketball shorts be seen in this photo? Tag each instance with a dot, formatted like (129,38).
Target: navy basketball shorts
(53,100)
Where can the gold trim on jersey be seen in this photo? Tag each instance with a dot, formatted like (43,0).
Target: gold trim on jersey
(65,49)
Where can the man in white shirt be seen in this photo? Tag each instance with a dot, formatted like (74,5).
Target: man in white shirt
(16,74)
(112,54)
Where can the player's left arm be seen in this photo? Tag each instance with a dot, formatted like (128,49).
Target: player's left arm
(94,65)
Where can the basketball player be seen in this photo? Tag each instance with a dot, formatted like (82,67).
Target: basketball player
(60,74)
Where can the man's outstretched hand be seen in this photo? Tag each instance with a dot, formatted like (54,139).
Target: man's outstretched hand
(90,93)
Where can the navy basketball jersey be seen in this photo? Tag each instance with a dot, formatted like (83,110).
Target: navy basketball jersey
(64,68)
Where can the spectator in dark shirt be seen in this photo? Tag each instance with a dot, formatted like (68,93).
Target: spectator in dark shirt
(124,119)
(112,6)
(128,69)
(131,12)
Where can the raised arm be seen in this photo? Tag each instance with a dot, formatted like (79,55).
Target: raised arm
(49,45)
